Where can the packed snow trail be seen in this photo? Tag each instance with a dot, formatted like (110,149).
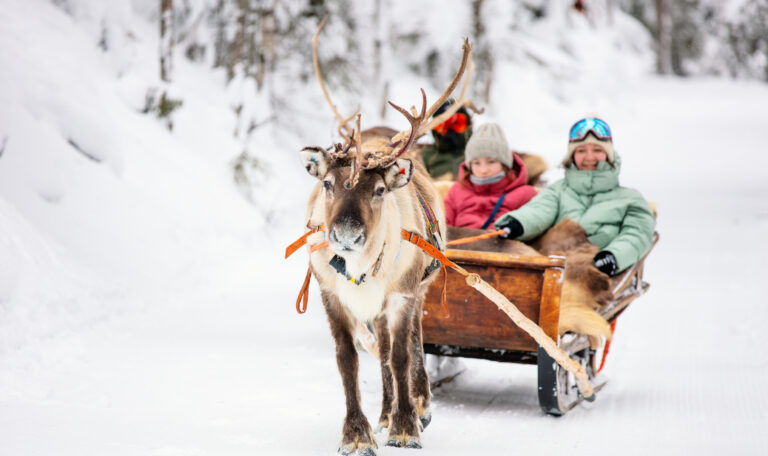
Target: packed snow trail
(227,367)
(146,309)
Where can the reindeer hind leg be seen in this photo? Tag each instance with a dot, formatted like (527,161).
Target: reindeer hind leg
(419,378)
(381,327)
(403,429)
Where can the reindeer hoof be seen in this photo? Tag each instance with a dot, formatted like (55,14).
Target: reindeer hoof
(349,450)
(414,443)
(394,443)
(424,420)
(400,442)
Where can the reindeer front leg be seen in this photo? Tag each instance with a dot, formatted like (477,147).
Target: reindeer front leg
(381,326)
(357,436)
(403,430)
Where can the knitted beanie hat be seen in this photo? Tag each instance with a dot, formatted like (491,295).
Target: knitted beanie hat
(488,141)
(606,144)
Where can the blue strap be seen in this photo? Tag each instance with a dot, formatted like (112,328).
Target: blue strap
(494,211)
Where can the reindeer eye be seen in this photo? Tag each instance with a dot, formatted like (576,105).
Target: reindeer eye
(327,185)
(380,191)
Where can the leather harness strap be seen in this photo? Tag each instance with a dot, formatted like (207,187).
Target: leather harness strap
(435,253)
(430,248)
(301,301)
(316,247)
(427,247)
(298,243)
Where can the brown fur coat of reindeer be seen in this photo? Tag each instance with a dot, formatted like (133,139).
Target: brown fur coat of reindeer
(369,193)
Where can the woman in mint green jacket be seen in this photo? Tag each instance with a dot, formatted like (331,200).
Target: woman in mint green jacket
(617,219)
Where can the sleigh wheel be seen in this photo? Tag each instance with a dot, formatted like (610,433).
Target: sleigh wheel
(558,391)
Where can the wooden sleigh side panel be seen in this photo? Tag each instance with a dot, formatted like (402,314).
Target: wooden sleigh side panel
(532,283)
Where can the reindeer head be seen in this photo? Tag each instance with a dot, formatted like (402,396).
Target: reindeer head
(358,175)
(353,211)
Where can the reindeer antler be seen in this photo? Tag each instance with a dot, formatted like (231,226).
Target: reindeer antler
(357,159)
(468,64)
(415,121)
(383,153)
(344,129)
(418,125)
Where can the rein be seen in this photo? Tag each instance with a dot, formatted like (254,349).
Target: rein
(301,301)
(479,237)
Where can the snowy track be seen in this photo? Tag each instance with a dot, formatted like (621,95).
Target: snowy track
(145,310)
(213,370)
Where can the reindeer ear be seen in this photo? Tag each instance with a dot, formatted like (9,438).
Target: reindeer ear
(315,161)
(398,174)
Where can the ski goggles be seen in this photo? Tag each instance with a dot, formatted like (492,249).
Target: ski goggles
(582,128)
(457,122)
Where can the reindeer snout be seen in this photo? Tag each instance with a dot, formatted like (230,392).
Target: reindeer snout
(347,238)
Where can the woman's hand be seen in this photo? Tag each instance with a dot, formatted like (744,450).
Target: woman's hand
(606,262)
(511,225)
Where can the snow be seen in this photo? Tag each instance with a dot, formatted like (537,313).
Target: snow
(145,308)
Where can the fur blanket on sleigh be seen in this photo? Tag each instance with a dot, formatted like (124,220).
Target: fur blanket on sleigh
(585,288)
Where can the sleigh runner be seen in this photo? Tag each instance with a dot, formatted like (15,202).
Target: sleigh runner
(475,327)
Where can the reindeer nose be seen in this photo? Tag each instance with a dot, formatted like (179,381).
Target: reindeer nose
(348,238)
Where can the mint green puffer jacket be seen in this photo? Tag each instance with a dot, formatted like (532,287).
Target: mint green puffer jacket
(615,218)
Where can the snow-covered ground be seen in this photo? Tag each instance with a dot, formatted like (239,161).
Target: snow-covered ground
(145,308)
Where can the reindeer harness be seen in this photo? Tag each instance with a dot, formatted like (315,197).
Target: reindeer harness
(432,247)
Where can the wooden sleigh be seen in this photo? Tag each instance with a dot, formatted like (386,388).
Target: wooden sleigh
(475,327)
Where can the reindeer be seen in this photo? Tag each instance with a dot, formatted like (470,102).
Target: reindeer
(374,203)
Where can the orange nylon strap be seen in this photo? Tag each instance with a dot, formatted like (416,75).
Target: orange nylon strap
(296,245)
(301,307)
(434,252)
(430,249)
(479,237)
(607,346)
(301,301)
(316,247)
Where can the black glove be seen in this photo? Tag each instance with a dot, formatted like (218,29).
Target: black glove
(606,262)
(514,227)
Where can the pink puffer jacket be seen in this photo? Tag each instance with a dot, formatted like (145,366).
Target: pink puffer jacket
(469,205)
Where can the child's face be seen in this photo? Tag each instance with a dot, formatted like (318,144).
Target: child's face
(587,156)
(485,167)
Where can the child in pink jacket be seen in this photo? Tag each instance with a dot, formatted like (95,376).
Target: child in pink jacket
(492,181)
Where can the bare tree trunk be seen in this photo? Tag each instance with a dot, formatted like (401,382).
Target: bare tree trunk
(377,42)
(381,86)
(265,52)
(662,42)
(236,47)
(166,40)
(484,55)
(611,6)
(220,40)
(166,105)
